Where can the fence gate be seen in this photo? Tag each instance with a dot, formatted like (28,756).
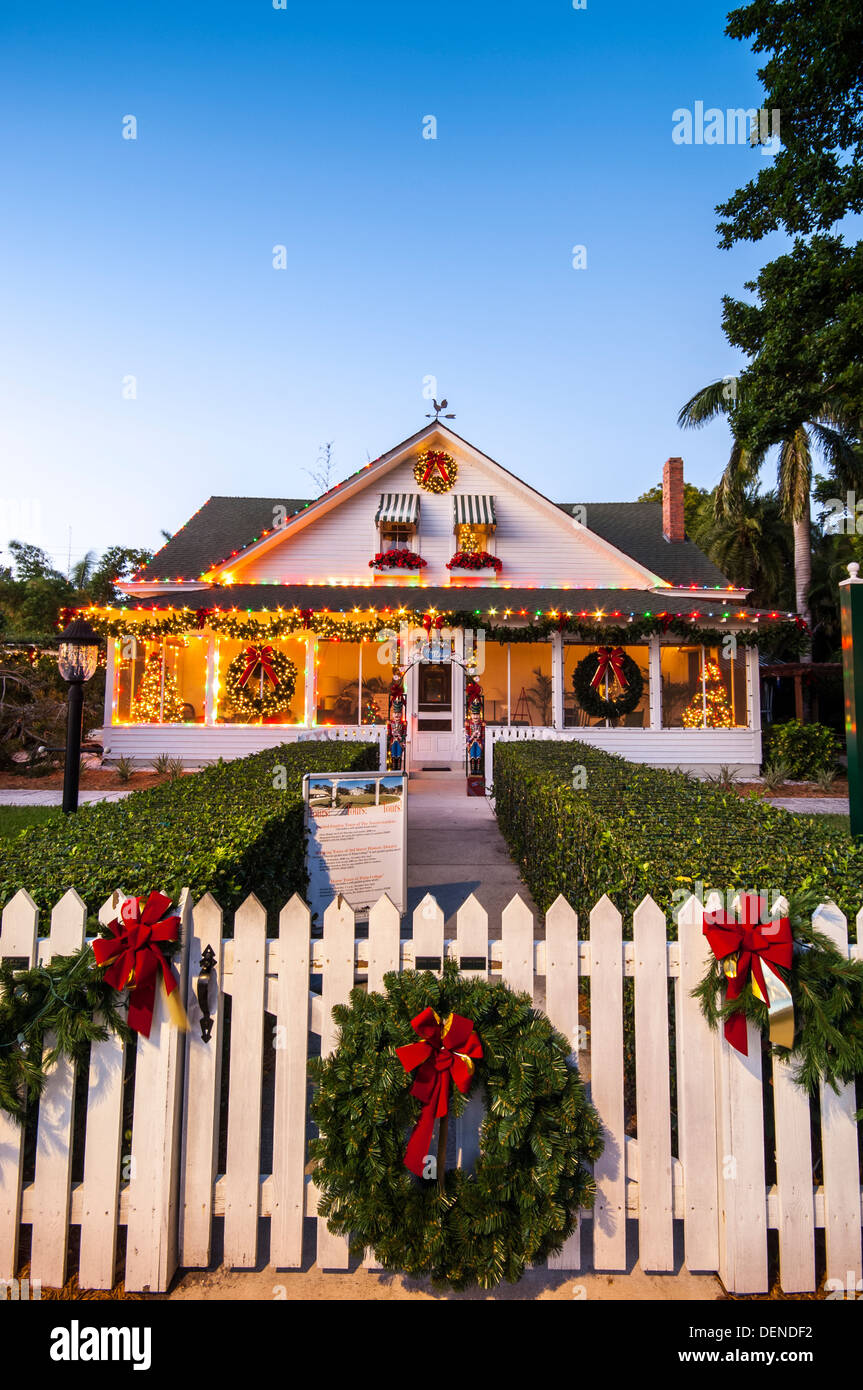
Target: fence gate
(197,1135)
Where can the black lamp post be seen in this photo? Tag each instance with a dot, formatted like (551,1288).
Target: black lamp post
(77,660)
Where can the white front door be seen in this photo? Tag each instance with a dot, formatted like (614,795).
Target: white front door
(437,699)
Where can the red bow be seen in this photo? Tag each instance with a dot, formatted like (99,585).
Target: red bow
(433,461)
(609,657)
(259,656)
(136,956)
(757,946)
(306,615)
(473,691)
(428,620)
(445,1053)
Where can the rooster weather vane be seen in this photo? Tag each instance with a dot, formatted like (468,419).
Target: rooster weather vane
(437,410)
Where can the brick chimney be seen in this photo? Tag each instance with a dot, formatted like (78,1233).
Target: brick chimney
(673,528)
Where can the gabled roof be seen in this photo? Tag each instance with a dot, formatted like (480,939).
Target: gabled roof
(636,529)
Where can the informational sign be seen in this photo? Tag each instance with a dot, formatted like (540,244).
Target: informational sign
(356,839)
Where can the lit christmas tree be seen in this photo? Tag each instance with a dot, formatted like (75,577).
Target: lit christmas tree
(148,706)
(713,711)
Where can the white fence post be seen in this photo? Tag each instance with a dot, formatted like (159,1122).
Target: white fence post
(17,941)
(153,1216)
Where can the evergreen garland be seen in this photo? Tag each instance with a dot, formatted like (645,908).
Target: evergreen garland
(520,1204)
(67,998)
(827,992)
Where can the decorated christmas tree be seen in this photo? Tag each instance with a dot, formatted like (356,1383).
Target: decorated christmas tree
(713,710)
(149,706)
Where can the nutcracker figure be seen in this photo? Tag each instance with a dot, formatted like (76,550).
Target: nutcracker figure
(397,726)
(474,725)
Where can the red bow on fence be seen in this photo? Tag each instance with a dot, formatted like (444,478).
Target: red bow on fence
(750,946)
(445,1053)
(137,958)
(259,656)
(609,657)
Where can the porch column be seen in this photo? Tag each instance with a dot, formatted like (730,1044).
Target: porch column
(557,680)
(753,688)
(655,682)
(210,685)
(311,690)
(110,678)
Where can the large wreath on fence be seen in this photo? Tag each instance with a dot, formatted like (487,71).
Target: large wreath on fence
(587,693)
(260,681)
(384,1080)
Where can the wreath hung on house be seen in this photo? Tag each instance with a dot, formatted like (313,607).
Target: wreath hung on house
(260,681)
(435,471)
(590,673)
(539,1131)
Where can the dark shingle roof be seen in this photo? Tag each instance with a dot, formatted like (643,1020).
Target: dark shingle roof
(342,599)
(223,524)
(636,529)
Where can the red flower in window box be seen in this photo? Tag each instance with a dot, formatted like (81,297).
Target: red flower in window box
(474,560)
(397,560)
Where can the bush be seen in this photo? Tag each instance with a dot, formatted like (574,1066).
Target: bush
(635,830)
(226,830)
(805,749)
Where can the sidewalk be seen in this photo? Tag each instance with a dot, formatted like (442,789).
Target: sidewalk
(54,796)
(455,848)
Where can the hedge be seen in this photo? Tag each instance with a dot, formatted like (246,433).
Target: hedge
(634,830)
(226,830)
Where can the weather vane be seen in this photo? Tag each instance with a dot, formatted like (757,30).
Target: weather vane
(437,410)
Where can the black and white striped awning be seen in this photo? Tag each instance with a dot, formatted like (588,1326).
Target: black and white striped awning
(402,508)
(473,509)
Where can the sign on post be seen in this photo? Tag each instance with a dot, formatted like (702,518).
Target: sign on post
(355,839)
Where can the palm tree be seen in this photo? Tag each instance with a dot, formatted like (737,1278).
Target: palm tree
(831,432)
(81,573)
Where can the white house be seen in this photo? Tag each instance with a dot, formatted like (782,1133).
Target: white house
(266,619)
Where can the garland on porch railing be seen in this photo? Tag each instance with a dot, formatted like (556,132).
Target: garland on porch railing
(771,635)
(791,981)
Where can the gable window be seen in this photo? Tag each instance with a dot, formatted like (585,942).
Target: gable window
(397,519)
(474,523)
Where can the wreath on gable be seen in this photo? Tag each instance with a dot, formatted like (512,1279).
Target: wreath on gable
(587,688)
(260,681)
(375,1104)
(435,471)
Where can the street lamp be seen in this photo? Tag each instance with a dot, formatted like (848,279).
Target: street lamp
(77,660)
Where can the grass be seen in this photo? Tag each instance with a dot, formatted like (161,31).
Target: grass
(14,819)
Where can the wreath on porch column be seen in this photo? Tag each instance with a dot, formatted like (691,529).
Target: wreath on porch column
(260,681)
(411,1056)
(622,672)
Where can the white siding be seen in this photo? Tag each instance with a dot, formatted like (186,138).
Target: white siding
(538,547)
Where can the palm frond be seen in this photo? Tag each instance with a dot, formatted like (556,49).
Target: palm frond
(711,401)
(795,475)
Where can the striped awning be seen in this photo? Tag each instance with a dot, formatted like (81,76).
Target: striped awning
(399,507)
(473,509)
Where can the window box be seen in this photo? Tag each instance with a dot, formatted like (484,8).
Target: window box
(466,564)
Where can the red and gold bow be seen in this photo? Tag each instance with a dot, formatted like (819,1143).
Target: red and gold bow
(444,1054)
(428,621)
(749,946)
(259,656)
(609,657)
(136,959)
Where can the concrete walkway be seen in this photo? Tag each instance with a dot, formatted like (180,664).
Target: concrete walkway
(812,805)
(455,848)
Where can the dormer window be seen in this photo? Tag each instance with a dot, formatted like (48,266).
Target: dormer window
(397,518)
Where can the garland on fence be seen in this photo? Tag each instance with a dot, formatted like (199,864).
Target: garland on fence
(771,635)
(539,1131)
(77,998)
(623,671)
(791,981)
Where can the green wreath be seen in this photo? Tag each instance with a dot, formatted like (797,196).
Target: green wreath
(597,705)
(247,699)
(521,1202)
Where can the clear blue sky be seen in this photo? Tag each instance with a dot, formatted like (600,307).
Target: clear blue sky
(406,257)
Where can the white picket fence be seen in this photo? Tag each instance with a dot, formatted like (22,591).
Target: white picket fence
(167,1190)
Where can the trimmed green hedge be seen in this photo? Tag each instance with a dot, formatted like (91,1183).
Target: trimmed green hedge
(634,830)
(226,830)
